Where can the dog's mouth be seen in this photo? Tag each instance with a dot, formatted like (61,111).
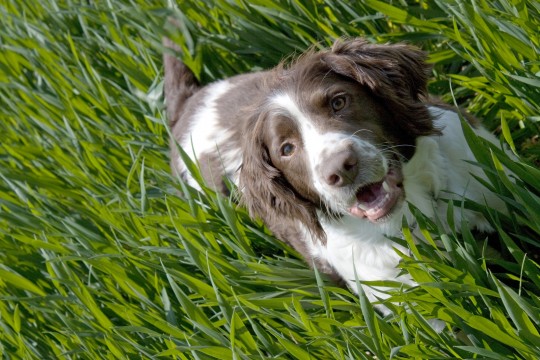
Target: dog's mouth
(376,201)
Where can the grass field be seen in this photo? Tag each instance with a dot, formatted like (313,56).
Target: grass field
(100,258)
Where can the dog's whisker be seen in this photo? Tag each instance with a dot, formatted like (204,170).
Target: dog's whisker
(398,146)
(359,131)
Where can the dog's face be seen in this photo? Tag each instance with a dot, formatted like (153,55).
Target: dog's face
(334,132)
(328,139)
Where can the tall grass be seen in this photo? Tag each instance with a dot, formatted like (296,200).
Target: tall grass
(100,257)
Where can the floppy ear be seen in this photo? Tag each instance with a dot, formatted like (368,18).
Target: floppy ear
(395,73)
(265,191)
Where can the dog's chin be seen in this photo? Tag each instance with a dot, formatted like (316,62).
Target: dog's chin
(379,200)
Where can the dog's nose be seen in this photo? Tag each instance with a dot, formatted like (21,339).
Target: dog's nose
(341,169)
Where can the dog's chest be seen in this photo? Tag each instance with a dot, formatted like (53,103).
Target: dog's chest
(360,250)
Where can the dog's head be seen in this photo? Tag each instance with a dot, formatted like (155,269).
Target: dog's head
(333,134)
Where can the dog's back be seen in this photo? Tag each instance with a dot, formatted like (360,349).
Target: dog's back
(208,121)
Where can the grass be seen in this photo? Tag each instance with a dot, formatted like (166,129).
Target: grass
(100,257)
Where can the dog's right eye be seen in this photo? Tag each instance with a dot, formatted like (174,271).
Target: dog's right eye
(287,149)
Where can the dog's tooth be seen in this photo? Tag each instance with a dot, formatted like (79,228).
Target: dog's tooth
(385,186)
(361,207)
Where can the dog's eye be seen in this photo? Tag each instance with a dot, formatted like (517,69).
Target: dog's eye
(338,103)
(287,149)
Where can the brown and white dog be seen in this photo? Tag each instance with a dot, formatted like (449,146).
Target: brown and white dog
(328,151)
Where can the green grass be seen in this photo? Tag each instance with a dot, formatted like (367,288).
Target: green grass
(100,258)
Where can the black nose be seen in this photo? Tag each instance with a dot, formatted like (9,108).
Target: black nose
(341,169)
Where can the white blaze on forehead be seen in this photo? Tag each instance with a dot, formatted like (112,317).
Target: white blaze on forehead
(312,139)
(285,102)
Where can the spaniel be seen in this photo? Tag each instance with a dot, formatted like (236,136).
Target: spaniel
(329,150)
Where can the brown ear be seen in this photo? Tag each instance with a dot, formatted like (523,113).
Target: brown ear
(265,191)
(395,73)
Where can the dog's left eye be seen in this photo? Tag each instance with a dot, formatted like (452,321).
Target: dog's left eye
(338,103)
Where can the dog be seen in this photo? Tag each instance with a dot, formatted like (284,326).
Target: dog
(329,150)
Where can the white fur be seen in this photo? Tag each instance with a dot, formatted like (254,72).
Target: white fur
(208,136)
